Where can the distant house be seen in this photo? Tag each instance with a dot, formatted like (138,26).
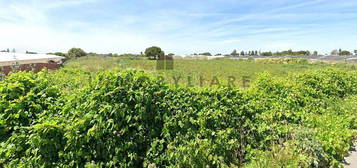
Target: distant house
(28,62)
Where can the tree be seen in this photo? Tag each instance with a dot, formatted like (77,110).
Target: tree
(315,53)
(307,53)
(218,54)
(154,52)
(344,53)
(13,50)
(242,53)
(30,52)
(171,54)
(234,53)
(8,50)
(76,52)
(355,51)
(206,54)
(267,53)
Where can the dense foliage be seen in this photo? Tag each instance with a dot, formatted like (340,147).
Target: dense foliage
(154,52)
(132,119)
(24,98)
(208,69)
(289,53)
(76,52)
(206,54)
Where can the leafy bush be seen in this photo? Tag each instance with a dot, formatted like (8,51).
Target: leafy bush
(113,122)
(40,145)
(24,98)
(204,134)
(132,119)
(309,100)
(283,60)
(76,52)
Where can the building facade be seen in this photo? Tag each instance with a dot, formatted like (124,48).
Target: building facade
(14,62)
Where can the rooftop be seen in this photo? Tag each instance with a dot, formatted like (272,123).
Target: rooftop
(20,58)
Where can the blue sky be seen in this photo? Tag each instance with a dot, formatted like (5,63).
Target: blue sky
(178,26)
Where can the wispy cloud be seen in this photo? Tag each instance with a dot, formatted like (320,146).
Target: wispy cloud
(64,3)
(177,26)
(298,5)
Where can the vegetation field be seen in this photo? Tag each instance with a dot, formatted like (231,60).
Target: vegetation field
(196,70)
(112,112)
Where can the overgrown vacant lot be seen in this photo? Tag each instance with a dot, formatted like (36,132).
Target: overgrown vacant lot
(90,115)
(200,69)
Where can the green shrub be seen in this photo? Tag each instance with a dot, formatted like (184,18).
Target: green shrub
(40,145)
(24,98)
(205,134)
(113,122)
(132,119)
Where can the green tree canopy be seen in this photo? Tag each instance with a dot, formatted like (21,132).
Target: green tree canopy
(344,52)
(234,53)
(242,53)
(58,54)
(315,53)
(206,54)
(267,53)
(76,52)
(154,52)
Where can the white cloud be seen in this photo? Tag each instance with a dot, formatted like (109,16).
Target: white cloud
(40,38)
(64,3)
(26,28)
(22,13)
(30,25)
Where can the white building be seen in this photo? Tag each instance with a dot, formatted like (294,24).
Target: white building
(8,59)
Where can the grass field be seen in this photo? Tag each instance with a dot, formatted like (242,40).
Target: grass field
(192,72)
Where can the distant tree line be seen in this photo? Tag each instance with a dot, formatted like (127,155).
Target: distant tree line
(78,52)
(30,52)
(155,52)
(72,53)
(204,54)
(290,53)
(8,50)
(343,52)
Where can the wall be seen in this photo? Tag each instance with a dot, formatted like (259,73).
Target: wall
(36,67)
